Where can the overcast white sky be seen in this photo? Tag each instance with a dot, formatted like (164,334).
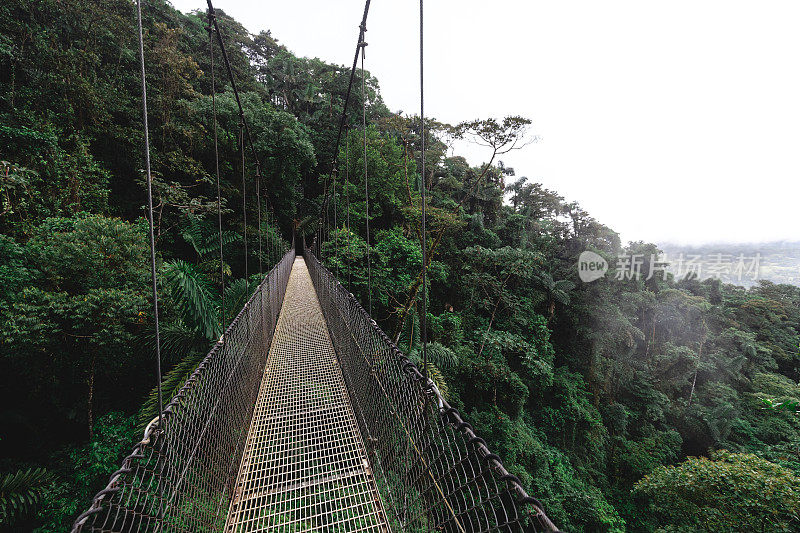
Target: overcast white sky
(668,121)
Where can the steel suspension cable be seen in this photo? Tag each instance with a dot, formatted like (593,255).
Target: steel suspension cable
(216,166)
(244,202)
(366,181)
(347,197)
(244,132)
(258,200)
(362,28)
(422,191)
(335,222)
(151,221)
(233,82)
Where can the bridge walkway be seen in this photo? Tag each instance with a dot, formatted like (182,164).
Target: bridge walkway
(305,467)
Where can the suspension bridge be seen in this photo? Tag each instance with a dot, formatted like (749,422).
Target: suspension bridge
(305,416)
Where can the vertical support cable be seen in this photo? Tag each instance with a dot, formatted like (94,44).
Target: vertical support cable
(258,199)
(347,200)
(366,181)
(326,213)
(270,244)
(271,226)
(152,233)
(244,202)
(422,190)
(216,166)
(243,129)
(336,233)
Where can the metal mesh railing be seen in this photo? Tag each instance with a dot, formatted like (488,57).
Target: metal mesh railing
(434,473)
(181,475)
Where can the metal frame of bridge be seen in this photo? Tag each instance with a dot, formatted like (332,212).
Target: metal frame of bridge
(269,433)
(305,466)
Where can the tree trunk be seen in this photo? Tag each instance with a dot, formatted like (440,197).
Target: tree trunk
(418,281)
(489,327)
(696,368)
(494,311)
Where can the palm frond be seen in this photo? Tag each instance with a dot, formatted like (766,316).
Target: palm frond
(190,290)
(172,382)
(441,355)
(236,295)
(307,225)
(20,492)
(177,341)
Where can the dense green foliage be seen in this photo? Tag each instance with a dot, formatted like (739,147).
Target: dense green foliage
(731,492)
(594,394)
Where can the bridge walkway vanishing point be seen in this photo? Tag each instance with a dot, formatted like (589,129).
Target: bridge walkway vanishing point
(305,467)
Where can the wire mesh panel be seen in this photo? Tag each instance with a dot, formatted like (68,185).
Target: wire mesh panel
(305,466)
(181,475)
(434,473)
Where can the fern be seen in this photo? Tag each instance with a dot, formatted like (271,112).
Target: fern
(211,242)
(410,336)
(193,233)
(438,355)
(205,239)
(20,492)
